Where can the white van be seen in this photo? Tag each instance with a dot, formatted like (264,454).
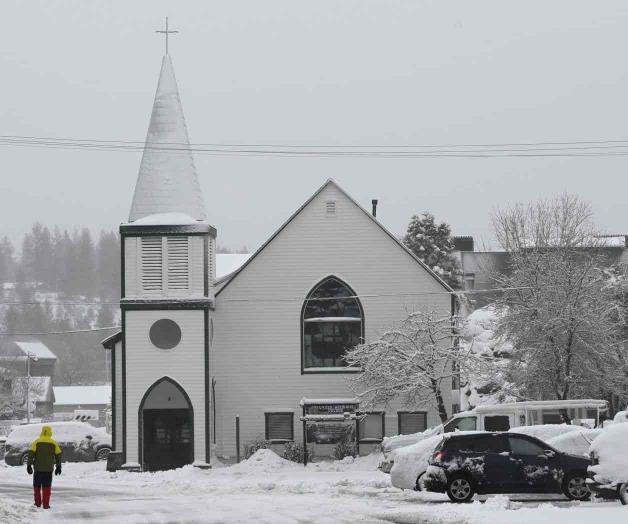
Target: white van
(502,417)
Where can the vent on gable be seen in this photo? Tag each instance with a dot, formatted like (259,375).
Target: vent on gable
(330,207)
(178,263)
(152,259)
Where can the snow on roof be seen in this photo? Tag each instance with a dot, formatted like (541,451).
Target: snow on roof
(167,180)
(37,349)
(166,219)
(227,263)
(70,395)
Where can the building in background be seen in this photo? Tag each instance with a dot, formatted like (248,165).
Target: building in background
(84,403)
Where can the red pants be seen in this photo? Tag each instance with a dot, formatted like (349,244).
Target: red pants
(42,482)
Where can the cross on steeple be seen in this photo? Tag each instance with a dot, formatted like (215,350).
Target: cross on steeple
(166,32)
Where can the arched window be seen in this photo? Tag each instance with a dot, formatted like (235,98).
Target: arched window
(333,321)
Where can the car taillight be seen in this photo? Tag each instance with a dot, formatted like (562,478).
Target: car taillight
(439,456)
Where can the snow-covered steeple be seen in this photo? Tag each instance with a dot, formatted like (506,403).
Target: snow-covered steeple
(167,183)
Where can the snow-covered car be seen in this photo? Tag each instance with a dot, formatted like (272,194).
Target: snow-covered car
(546,432)
(390,444)
(79,442)
(410,462)
(621,416)
(608,473)
(575,442)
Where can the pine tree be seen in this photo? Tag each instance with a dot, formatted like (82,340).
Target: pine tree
(432,244)
(7,263)
(108,264)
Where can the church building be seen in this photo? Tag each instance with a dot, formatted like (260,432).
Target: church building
(263,344)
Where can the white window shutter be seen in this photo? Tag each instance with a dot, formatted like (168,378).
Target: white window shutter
(178,264)
(151,265)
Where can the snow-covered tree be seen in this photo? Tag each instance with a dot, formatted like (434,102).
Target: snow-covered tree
(411,362)
(432,244)
(560,308)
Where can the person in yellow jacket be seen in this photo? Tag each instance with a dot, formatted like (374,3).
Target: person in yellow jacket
(45,455)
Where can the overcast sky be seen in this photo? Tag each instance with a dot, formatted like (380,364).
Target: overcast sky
(315,72)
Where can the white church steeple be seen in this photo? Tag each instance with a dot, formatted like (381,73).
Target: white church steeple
(167,183)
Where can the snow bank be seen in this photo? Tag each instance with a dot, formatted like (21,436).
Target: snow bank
(412,461)
(545,432)
(264,460)
(611,449)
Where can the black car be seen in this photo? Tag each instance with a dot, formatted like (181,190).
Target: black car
(483,463)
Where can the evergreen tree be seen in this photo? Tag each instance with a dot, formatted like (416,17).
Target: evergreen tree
(432,244)
(7,263)
(108,264)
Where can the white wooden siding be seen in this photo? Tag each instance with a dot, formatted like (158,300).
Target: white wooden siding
(256,355)
(145,364)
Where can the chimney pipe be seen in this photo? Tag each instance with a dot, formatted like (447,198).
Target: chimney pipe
(374,202)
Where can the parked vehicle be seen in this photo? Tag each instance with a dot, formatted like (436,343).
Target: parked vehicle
(484,463)
(3,441)
(410,462)
(79,442)
(608,473)
(575,442)
(503,417)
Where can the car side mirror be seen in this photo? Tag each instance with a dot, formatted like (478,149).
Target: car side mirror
(89,437)
(549,453)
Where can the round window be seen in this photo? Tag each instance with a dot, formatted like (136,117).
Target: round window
(165,333)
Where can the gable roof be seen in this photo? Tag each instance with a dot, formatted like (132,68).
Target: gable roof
(332,182)
(167,182)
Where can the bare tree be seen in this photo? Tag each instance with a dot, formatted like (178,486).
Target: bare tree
(411,362)
(559,308)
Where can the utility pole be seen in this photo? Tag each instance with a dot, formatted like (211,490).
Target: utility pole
(29,356)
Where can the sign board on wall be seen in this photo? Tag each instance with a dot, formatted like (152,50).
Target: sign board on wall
(85,414)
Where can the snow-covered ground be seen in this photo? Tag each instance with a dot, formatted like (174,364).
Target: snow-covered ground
(268,489)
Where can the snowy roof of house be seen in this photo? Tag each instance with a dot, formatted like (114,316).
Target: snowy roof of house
(72,395)
(227,263)
(167,181)
(35,348)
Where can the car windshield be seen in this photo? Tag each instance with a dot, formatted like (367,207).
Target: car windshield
(461,424)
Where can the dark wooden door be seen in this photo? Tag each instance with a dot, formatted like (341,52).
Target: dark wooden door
(168,438)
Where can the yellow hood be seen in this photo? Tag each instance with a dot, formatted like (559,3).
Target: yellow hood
(46,431)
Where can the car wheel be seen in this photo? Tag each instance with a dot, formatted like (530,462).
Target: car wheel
(24,459)
(102,454)
(419,483)
(622,491)
(460,489)
(575,487)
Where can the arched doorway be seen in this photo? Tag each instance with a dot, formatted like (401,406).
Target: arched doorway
(166,420)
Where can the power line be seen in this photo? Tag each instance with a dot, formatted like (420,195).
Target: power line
(58,332)
(600,148)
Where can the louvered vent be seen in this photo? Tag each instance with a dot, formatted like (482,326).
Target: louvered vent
(178,263)
(152,264)
(279,426)
(330,207)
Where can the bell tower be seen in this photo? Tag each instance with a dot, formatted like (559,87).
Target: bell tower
(168,261)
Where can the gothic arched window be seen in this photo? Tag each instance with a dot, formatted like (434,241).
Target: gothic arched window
(332,322)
